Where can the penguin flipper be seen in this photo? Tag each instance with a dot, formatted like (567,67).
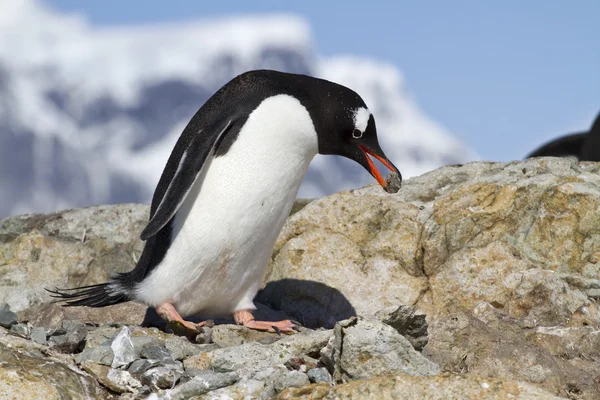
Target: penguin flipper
(191,166)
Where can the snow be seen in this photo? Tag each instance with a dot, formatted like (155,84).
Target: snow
(91,114)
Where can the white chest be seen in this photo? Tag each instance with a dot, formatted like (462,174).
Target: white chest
(225,230)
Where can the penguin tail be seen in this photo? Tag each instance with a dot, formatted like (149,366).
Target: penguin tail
(100,295)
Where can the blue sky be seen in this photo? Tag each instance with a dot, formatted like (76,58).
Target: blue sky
(504,76)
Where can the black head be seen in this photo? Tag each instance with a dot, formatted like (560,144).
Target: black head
(344,124)
(345,127)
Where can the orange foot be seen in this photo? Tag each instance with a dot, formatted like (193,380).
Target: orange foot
(168,313)
(245,318)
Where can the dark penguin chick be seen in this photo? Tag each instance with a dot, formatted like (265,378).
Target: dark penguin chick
(583,145)
(227,189)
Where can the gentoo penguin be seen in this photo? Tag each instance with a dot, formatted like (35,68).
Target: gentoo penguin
(226,191)
(583,145)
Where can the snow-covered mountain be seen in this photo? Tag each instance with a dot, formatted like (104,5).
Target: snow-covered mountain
(89,115)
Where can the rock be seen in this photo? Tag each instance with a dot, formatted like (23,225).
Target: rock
(72,339)
(394,182)
(199,385)
(205,336)
(255,356)
(345,255)
(161,377)
(67,249)
(245,388)
(409,322)
(364,349)
(116,380)
(235,335)
(158,353)
(139,366)
(273,379)
(462,343)
(21,370)
(38,335)
(123,349)
(98,355)
(319,375)
(407,387)
(292,379)
(51,315)
(181,348)
(23,331)
(7,317)
(500,260)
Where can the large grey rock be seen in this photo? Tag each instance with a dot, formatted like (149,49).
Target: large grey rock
(66,249)
(72,339)
(409,322)
(256,356)
(114,379)
(198,385)
(123,349)
(7,317)
(51,315)
(235,335)
(561,360)
(408,387)
(363,348)
(25,373)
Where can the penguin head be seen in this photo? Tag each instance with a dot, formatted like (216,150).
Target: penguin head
(345,127)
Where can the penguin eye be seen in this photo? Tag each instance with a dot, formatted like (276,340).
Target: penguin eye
(357,134)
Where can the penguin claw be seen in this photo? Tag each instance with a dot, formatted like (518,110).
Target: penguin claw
(276,329)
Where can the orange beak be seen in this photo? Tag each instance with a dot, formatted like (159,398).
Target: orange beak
(374,171)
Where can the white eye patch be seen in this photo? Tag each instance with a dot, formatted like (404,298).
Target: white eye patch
(361,120)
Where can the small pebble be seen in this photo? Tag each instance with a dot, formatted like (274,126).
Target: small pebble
(318,375)
(394,182)
(38,335)
(7,317)
(292,379)
(154,352)
(21,330)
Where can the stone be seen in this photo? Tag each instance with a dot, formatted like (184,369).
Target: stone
(38,335)
(199,385)
(73,338)
(139,366)
(407,387)
(181,348)
(272,378)
(102,355)
(123,349)
(101,335)
(319,375)
(116,380)
(51,315)
(292,379)
(235,335)
(366,348)
(161,377)
(255,356)
(342,256)
(393,182)
(67,249)
(21,370)
(23,331)
(7,317)
(461,343)
(407,321)
(154,352)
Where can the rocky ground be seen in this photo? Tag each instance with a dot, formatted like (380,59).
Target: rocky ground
(476,281)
